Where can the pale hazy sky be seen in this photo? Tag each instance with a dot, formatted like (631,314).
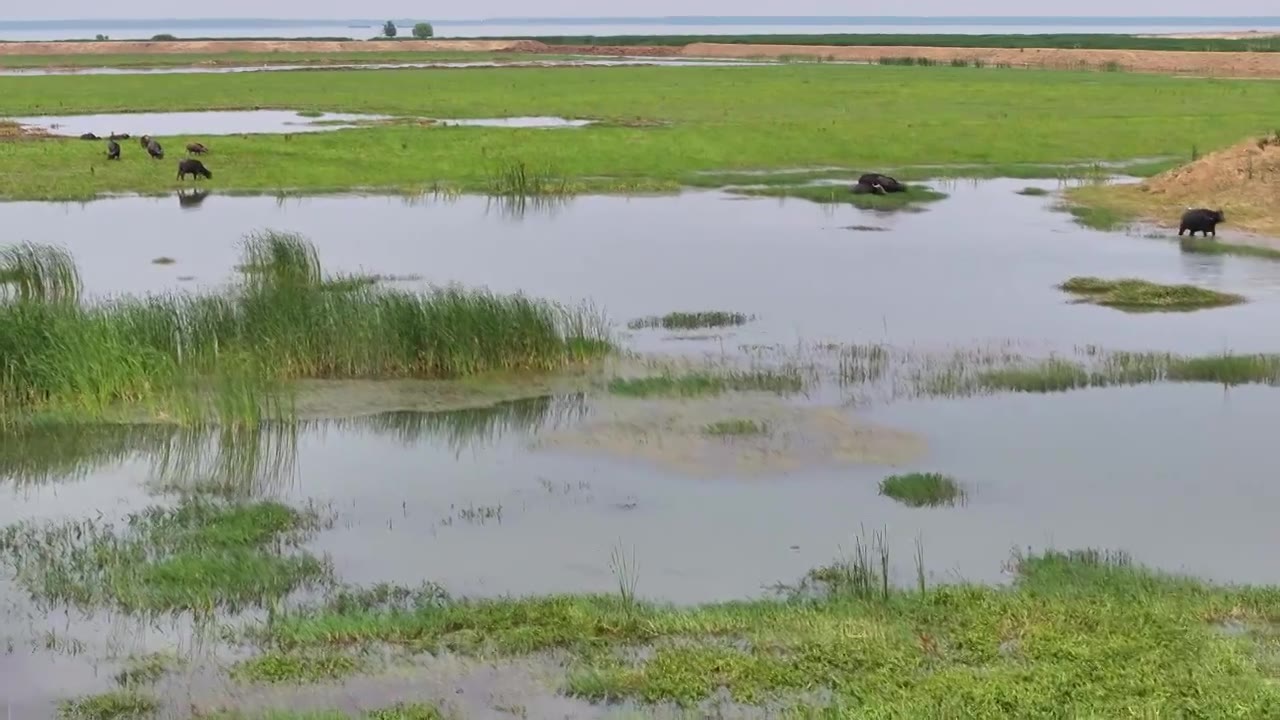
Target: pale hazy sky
(476,9)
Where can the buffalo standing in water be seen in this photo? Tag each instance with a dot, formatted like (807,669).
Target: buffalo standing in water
(195,168)
(154,150)
(197,148)
(877,184)
(113,150)
(1201,220)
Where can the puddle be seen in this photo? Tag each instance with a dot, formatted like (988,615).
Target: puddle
(214,122)
(566,476)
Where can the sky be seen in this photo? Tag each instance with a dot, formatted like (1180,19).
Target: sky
(477,9)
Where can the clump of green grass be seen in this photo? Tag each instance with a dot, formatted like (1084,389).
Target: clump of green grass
(1138,295)
(1033,191)
(706,383)
(923,489)
(519,178)
(297,668)
(310,113)
(184,356)
(913,196)
(690,320)
(1226,369)
(738,427)
(115,705)
(1098,217)
(1054,375)
(406,711)
(145,670)
(201,555)
(1205,246)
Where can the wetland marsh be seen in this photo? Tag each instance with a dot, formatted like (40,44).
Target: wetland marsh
(546,453)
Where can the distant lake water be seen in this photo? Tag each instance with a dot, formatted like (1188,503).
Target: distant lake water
(126,29)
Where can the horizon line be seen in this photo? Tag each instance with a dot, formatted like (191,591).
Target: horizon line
(651,18)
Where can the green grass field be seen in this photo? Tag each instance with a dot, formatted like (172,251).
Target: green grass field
(661,125)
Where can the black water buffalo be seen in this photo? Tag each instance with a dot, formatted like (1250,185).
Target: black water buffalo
(118,136)
(195,168)
(89,136)
(197,148)
(154,150)
(877,184)
(1201,220)
(113,150)
(144,141)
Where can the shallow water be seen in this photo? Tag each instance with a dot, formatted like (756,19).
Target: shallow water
(206,70)
(212,122)
(533,496)
(978,266)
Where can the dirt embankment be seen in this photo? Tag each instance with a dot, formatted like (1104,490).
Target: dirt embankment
(1235,64)
(1242,180)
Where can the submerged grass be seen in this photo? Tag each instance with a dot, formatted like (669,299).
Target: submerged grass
(690,320)
(1140,295)
(912,196)
(1059,375)
(114,705)
(1078,634)
(738,427)
(694,384)
(1203,246)
(201,555)
(923,489)
(296,668)
(682,121)
(186,357)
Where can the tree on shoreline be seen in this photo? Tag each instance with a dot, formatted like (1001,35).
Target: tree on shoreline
(422,31)
(389,29)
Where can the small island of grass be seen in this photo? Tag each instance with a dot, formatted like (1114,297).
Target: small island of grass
(923,489)
(1136,295)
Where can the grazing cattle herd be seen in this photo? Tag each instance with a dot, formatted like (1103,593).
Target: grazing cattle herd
(194,168)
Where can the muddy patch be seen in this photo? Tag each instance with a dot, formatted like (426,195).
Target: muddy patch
(677,436)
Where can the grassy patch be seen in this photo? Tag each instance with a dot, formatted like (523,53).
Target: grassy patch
(285,321)
(705,383)
(736,428)
(407,711)
(145,670)
(923,489)
(712,118)
(690,320)
(1098,217)
(200,555)
(1060,375)
(1033,191)
(296,668)
(1203,246)
(115,705)
(1079,634)
(913,195)
(1141,295)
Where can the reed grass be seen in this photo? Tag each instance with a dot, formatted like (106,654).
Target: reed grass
(923,489)
(690,320)
(1137,295)
(520,178)
(191,356)
(296,668)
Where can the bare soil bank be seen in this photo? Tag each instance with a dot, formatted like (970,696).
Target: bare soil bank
(1235,64)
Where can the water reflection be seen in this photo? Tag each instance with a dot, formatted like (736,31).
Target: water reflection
(191,199)
(259,460)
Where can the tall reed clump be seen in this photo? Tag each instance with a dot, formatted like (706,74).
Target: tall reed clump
(517,178)
(286,320)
